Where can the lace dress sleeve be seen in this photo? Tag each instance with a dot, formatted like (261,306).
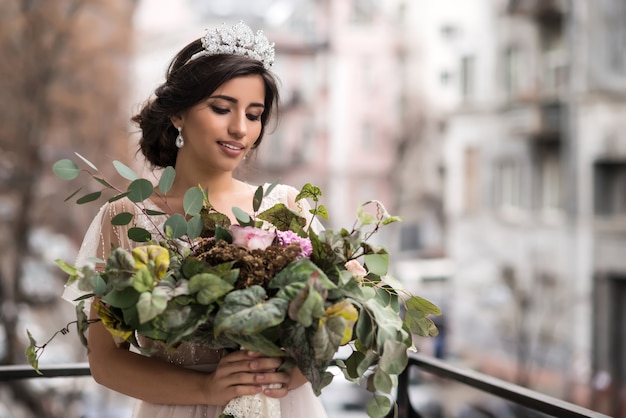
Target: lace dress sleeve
(100,237)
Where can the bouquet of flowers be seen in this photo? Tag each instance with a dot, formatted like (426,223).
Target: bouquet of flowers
(270,284)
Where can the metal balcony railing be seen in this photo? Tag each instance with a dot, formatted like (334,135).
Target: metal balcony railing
(516,394)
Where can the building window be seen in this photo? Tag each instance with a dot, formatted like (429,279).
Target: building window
(614,27)
(610,188)
(470,189)
(548,175)
(362,11)
(409,237)
(467,77)
(554,61)
(512,72)
(508,190)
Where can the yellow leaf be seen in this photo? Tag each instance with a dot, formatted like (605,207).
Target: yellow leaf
(111,323)
(348,312)
(159,256)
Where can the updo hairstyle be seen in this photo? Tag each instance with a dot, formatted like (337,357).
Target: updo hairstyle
(188,83)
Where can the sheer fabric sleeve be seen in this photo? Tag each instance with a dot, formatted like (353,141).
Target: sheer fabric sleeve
(100,237)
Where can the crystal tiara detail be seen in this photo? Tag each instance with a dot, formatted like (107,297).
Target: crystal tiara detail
(238,40)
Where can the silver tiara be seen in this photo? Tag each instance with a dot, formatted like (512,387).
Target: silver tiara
(237,40)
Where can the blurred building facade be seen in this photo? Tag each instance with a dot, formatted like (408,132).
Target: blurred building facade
(534,154)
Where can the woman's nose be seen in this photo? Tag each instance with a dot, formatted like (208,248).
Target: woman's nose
(238,126)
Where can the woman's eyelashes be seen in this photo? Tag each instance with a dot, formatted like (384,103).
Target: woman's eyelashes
(220,110)
(223,111)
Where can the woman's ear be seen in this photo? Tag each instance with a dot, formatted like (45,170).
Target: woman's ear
(176,120)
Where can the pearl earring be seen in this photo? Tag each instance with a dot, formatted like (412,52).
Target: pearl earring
(180,141)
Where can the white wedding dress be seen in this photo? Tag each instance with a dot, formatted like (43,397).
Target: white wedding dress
(299,403)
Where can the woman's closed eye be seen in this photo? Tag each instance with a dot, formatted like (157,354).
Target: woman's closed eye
(220,110)
(254,117)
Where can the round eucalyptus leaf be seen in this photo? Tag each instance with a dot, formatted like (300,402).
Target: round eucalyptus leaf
(167,179)
(121,219)
(66,169)
(125,171)
(175,226)
(194,227)
(242,217)
(193,201)
(139,235)
(139,190)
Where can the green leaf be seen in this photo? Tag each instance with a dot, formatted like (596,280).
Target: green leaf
(143,280)
(270,188)
(175,226)
(422,305)
(377,263)
(193,201)
(82,323)
(320,211)
(73,194)
(327,337)
(309,191)
(139,234)
(66,169)
(151,304)
(242,217)
(246,312)
(378,406)
(300,271)
(86,161)
(389,324)
(125,171)
(282,217)
(307,306)
(89,198)
(31,353)
(151,212)
(194,227)
(223,234)
(167,179)
(67,268)
(365,329)
(118,197)
(258,343)
(382,381)
(208,287)
(103,182)
(122,298)
(258,198)
(352,364)
(121,219)
(394,358)
(139,190)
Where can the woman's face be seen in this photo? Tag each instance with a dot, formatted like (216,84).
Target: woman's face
(221,130)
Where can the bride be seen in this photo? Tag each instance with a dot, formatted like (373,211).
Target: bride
(205,118)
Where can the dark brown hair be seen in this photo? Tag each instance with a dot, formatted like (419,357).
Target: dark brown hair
(186,84)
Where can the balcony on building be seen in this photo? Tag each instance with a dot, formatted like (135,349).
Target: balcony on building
(541,10)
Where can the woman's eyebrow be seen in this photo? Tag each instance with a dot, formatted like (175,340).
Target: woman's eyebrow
(235,101)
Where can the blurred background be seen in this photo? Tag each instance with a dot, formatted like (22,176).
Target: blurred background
(495,128)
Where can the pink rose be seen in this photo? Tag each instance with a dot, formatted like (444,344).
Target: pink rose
(356,269)
(252,238)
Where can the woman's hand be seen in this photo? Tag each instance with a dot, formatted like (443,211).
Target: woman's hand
(244,373)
